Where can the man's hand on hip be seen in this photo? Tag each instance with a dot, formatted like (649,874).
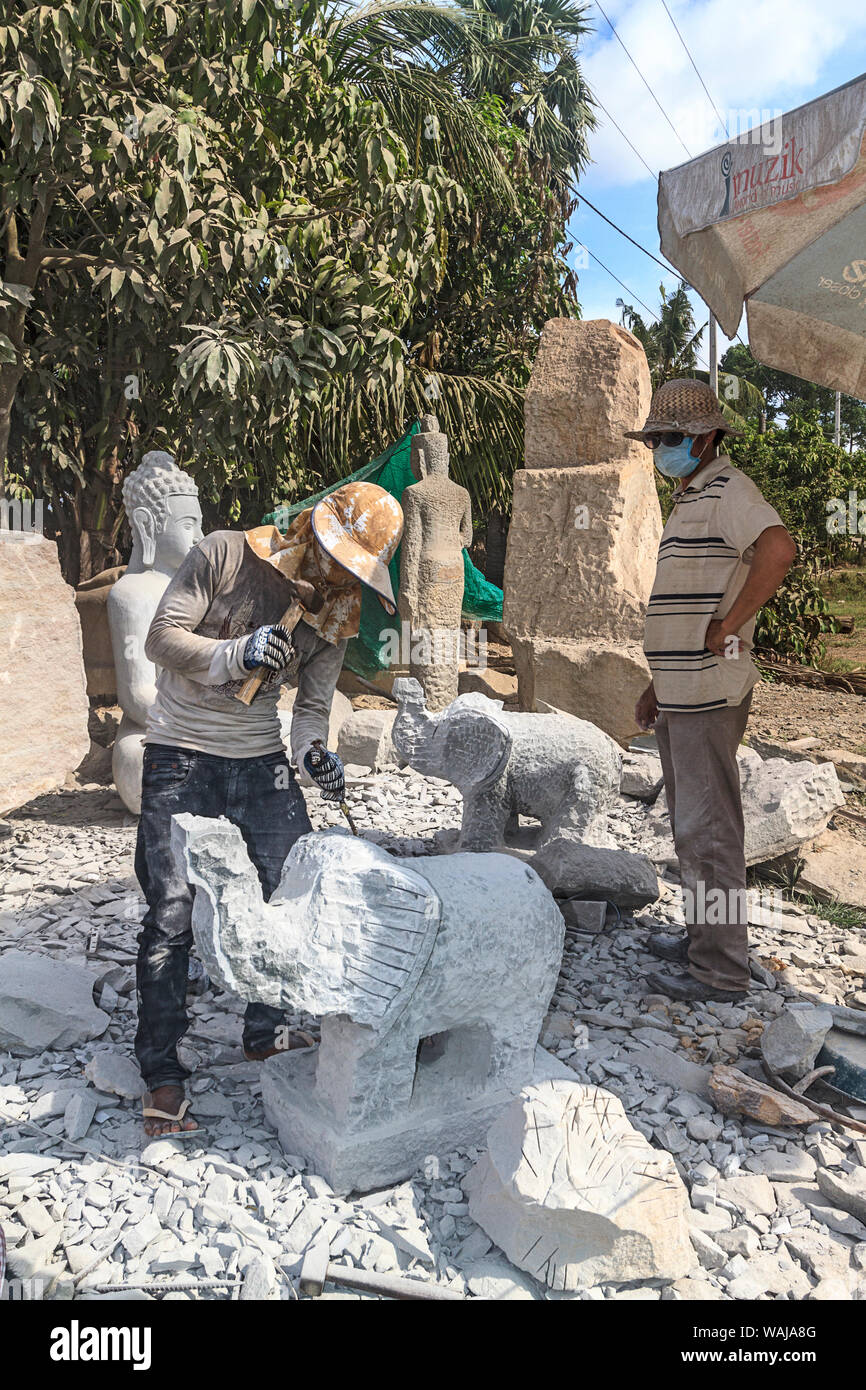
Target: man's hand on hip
(269,646)
(646,711)
(721,641)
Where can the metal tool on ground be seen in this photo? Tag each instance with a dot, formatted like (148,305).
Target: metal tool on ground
(317,755)
(307,601)
(317,1270)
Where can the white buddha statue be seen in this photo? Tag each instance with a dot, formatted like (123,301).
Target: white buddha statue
(162,505)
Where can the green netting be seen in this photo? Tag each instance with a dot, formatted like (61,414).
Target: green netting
(392,471)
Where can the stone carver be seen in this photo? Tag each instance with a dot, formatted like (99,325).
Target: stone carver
(723,553)
(459,951)
(209,753)
(162,507)
(554,767)
(438,524)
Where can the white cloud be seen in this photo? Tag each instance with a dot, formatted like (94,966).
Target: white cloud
(757,57)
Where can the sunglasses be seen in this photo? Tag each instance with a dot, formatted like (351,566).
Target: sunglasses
(670,439)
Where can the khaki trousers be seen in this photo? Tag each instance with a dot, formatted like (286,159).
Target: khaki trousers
(702,782)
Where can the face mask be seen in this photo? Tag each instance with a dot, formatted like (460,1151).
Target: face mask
(675,462)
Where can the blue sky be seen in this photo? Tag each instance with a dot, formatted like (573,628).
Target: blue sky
(769,56)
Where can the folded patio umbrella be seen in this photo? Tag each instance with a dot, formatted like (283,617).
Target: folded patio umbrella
(776,220)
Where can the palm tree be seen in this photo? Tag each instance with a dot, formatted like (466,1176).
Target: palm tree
(671,343)
(541,83)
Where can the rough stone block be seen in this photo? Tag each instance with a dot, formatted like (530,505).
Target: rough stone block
(585,528)
(590,383)
(576,1196)
(365,739)
(571,868)
(43,699)
(793,1040)
(641,775)
(45,1003)
(115,1073)
(845,1190)
(563,577)
(497,685)
(584,915)
(784,803)
(834,869)
(598,680)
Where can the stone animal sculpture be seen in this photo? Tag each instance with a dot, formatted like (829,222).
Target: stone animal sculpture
(558,769)
(431,982)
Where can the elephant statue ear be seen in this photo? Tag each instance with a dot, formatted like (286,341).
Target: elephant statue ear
(473,741)
(370,925)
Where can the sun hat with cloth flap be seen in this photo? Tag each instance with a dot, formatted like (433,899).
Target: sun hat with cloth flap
(360,526)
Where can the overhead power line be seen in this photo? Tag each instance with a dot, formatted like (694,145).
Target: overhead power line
(653,175)
(645,83)
(636,298)
(722,120)
(670,270)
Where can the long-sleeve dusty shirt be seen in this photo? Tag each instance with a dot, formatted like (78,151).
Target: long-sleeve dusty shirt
(221,593)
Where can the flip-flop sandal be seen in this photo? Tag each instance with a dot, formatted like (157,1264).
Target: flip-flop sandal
(254,1055)
(149,1113)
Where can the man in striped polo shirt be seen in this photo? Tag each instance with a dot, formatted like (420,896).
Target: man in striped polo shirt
(723,553)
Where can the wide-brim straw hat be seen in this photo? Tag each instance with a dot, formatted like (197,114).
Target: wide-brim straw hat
(690,406)
(360,526)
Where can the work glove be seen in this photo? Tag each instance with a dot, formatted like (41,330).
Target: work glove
(269,646)
(326,770)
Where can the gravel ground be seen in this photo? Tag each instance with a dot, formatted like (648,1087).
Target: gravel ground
(108,1208)
(785,712)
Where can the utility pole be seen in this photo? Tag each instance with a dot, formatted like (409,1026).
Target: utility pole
(838,435)
(714,355)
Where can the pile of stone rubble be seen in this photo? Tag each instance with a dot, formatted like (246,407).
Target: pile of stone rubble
(91,1210)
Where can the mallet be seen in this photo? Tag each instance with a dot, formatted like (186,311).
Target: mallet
(308,600)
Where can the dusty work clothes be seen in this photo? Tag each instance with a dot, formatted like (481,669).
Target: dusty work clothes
(702,785)
(261,796)
(211,755)
(222,592)
(704,557)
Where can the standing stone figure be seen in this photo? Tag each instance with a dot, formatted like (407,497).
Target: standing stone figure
(162,505)
(437,525)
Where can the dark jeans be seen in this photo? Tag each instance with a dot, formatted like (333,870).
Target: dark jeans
(261,797)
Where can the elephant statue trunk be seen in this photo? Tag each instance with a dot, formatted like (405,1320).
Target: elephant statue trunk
(414,727)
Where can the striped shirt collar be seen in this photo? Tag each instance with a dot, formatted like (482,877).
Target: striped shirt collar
(705,477)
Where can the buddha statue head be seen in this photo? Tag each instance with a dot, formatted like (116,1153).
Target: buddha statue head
(162,505)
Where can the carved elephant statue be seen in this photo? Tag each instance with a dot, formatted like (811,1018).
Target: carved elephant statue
(560,770)
(460,949)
